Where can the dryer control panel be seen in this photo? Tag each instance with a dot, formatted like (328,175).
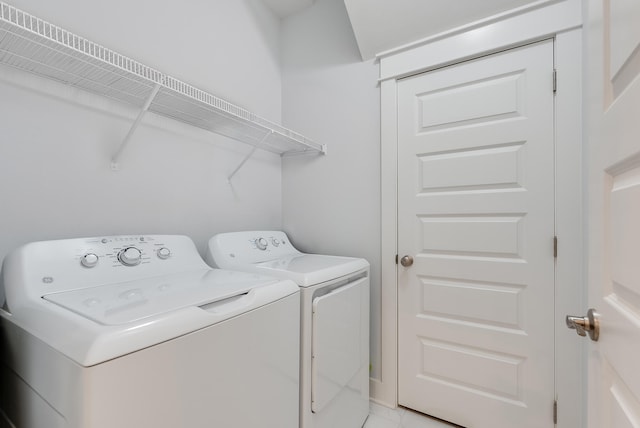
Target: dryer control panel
(250,246)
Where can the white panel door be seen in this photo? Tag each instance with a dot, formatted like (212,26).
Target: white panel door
(476,213)
(613,141)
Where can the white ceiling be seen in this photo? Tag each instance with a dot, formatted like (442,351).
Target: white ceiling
(380,25)
(284,8)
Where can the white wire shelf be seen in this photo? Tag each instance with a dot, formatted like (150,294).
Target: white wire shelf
(31,44)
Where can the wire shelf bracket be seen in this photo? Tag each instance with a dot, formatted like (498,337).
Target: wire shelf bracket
(253,150)
(116,157)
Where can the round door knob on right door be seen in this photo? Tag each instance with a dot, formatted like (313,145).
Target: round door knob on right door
(406,261)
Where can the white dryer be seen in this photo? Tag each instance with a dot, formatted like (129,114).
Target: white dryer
(334,364)
(137,331)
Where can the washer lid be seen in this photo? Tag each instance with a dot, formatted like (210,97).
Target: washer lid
(96,324)
(310,269)
(133,301)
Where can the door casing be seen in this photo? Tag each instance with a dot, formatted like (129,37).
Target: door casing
(562,21)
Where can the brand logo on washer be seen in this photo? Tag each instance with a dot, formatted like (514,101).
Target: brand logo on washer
(47,279)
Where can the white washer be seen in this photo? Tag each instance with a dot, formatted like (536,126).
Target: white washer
(137,331)
(334,365)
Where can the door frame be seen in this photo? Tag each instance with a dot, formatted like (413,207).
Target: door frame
(560,20)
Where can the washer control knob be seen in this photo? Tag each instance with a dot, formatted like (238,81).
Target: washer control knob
(275,242)
(89,260)
(163,253)
(261,243)
(130,256)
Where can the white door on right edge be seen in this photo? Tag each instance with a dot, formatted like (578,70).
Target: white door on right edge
(613,193)
(476,214)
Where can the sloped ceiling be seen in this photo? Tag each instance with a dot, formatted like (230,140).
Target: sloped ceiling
(380,25)
(284,8)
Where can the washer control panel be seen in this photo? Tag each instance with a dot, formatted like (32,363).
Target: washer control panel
(127,255)
(128,251)
(70,264)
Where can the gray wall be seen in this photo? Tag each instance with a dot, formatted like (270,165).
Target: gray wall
(331,204)
(56,142)
(305,70)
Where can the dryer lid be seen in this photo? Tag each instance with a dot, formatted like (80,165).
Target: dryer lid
(311,269)
(133,301)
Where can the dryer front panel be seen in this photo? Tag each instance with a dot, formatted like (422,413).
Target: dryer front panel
(340,353)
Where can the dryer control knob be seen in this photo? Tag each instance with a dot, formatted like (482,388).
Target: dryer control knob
(89,260)
(261,243)
(163,253)
(275,242)
(130,256)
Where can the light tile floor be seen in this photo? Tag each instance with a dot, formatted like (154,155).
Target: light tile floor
(383,417)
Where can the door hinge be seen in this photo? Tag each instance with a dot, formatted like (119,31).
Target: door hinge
(555,247)
(555,80)
(555,412)
(396,259)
